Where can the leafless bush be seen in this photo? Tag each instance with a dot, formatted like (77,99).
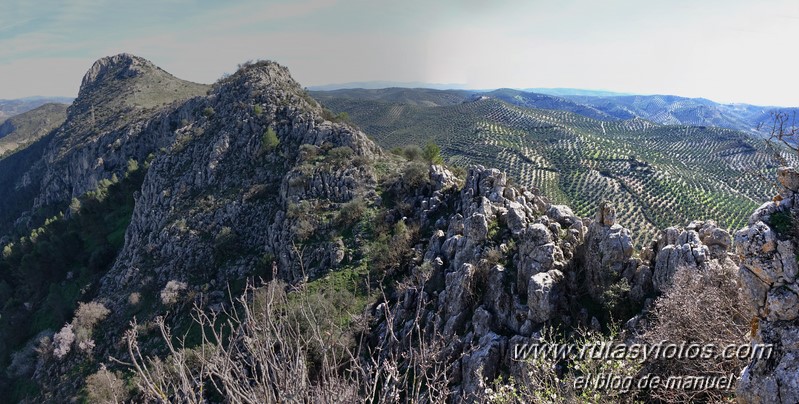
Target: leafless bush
(273,346)
(170,293)
(704,308)
(134,299)
(89,314)
(784,129)
(23,362)
(62,341)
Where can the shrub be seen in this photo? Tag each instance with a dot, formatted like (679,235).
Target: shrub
(699,307)
(133,166)
(23,362)
(308,152)
(272,345)
(432,153)
(208,112)
(269,141)
(615,300)
(552,379)
(171,292)
(257,109)
(62,341)
(351,212)
(134,299)
(415,175)
(412,152)
(783,224)
(74,206)
(105,387)
(89,314)
(388,252)
(340,155)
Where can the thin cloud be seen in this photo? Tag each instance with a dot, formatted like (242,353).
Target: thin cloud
(725,50)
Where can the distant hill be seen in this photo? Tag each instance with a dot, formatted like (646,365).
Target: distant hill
(660,175)
(372,85)
(23,129)
(673,110)
(562,92)
(544,101)
(9,108)
(408,96)
(603,105)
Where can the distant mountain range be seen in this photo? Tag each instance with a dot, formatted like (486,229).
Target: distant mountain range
(373,85)
(563,92)
(603,105)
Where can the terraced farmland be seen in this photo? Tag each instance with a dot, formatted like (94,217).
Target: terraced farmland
(656,175)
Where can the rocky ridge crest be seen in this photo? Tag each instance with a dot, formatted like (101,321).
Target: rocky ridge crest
(767,247)
(240,175)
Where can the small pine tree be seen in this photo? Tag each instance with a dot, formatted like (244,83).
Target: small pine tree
(432,153)
(270,141)
(74,206)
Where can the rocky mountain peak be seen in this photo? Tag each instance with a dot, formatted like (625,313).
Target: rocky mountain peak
(256,80)
(265,73)
(121,66)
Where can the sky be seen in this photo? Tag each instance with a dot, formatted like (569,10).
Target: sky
(723,50)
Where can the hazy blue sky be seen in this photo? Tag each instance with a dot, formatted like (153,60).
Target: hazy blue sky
(725,50)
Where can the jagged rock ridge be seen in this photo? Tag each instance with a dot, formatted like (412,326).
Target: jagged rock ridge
(241,175)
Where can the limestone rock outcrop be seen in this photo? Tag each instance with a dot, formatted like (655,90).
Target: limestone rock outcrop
(505,264)
(608,254)
(768,270)
(692,248)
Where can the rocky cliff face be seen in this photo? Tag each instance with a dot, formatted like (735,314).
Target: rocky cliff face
(252,178)
(222,202)
(504,263)
(767,247)
(242,182)
(118,116)
(122,113)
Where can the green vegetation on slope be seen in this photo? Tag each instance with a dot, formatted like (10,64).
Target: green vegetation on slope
(657,176)
(24,129)
(43,276)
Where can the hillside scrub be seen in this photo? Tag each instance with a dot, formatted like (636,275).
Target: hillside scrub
(260,352)
(385,278)
(52,266)
(699,308)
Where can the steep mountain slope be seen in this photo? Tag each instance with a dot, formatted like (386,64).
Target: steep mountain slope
(222,197)
(661,175)
(247,177)
(28,127)
(419,283)
(119,96)
(92,159)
